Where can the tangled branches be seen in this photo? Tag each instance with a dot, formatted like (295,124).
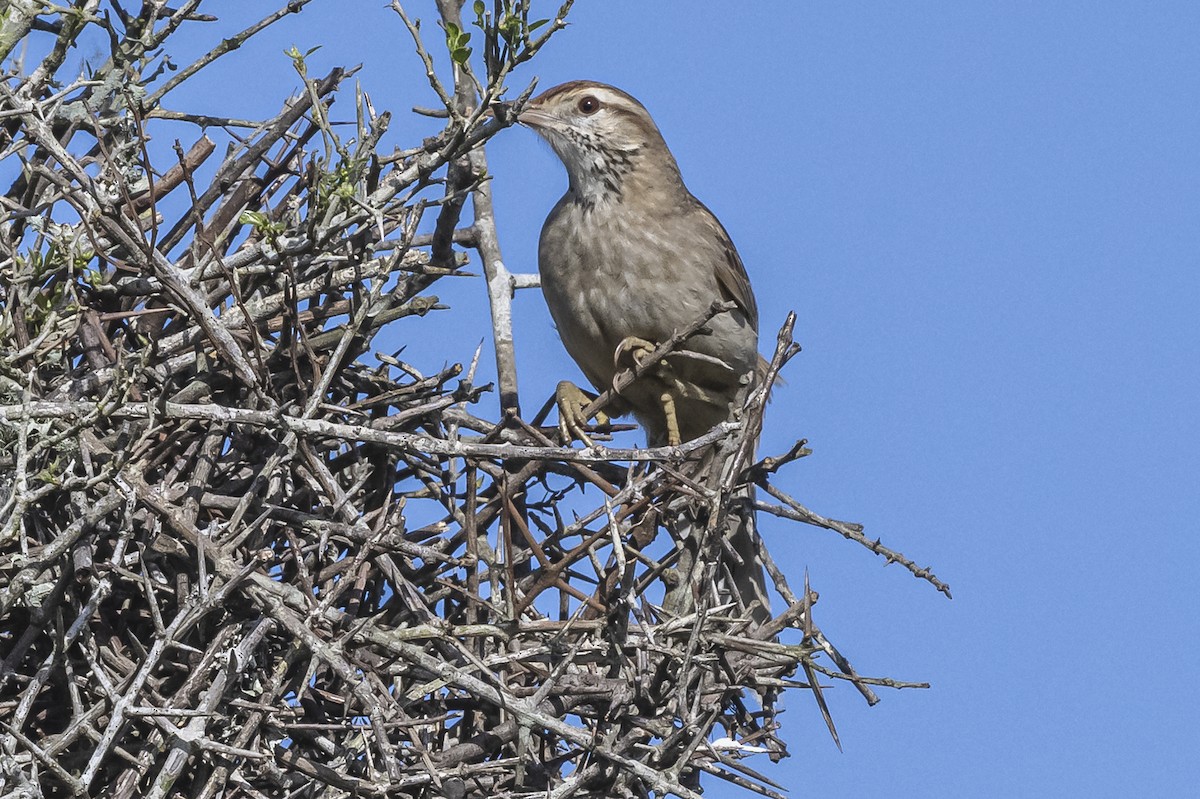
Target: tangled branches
(243,555)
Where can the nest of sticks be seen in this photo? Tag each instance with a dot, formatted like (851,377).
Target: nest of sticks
(242,554)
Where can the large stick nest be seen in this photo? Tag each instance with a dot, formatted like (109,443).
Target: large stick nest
(242,554)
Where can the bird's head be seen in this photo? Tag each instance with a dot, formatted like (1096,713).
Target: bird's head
(604,137)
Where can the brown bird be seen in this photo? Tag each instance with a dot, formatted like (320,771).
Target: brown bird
(627,258)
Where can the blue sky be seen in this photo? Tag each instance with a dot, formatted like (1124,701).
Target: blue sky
(986,215)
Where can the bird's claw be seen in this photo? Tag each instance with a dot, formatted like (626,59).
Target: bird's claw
(633,348)
(636,350)
(572,403)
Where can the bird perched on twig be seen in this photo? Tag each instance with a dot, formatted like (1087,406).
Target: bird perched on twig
(627,258)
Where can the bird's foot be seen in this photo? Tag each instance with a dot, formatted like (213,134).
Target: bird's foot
(630,353)
(572,403)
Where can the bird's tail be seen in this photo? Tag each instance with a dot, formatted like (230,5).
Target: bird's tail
(716,539)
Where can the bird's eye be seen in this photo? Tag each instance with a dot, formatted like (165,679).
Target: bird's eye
(588,105)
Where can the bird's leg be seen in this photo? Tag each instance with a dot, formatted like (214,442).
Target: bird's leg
(638,349)
(572,401)
(668,405)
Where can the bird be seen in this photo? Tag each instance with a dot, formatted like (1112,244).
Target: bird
(628,257)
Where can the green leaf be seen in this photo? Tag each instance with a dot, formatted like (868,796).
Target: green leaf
(509,28)
(479,8)
(535,25)
(253,218)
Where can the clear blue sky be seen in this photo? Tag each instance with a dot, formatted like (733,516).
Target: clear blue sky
(986,215)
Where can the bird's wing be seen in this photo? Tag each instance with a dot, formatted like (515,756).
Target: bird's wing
(731,272)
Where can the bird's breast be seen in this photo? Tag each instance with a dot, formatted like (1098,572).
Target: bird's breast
(605,280)
(610,272)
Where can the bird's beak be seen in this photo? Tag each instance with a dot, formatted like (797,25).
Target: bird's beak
(536,118)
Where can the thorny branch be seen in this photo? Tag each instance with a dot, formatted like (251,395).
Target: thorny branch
(244,553)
